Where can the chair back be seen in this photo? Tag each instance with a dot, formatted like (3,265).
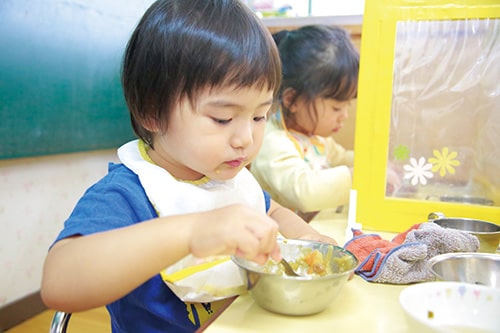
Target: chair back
(59,322)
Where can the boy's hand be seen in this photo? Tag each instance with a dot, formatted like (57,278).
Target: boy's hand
(235,230)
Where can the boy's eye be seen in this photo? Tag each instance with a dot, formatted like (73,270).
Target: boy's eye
(262,118)
(221,121)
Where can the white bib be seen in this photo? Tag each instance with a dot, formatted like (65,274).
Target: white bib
(195,279)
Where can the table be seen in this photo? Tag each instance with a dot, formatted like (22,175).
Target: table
(361,306)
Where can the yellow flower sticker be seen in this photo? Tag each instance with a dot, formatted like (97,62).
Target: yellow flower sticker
(444,161)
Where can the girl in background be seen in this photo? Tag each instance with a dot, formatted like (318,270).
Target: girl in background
(300,164)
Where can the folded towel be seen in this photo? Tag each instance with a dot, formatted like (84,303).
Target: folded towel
(403,259)
(380,259)
(363,244)
(443,240)
(403,264)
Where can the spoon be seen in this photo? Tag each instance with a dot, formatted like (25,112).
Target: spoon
(288,269)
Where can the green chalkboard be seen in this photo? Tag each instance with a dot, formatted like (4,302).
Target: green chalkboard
(60,85)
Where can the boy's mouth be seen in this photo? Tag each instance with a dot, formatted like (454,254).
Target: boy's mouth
(235,163)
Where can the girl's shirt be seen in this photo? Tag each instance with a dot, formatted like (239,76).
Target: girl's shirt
(312,148)
(301,172)
(119,200)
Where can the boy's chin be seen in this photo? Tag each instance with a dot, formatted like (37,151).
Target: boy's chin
(224,174)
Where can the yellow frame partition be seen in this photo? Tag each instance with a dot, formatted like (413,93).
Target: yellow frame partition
(375,210)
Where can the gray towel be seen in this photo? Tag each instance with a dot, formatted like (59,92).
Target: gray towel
(407,262)
(441,240)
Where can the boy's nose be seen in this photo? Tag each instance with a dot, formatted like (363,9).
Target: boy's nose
(242,137)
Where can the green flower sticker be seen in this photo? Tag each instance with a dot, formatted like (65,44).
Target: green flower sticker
(401,152)
(444,161)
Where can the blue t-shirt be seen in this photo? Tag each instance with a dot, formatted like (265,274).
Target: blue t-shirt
(118,200)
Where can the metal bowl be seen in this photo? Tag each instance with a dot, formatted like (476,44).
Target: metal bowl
(298,296)
(468,267)
(488,233)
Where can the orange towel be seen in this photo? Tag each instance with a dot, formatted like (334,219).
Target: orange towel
(363,244)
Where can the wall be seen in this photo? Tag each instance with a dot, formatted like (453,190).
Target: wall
(37,194)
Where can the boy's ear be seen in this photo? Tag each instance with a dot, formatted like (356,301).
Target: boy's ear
(288,98)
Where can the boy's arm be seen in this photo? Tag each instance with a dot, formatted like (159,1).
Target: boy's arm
(90,271)
(83,272)
(292,226)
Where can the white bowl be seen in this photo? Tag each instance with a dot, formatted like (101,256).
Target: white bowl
(451,307)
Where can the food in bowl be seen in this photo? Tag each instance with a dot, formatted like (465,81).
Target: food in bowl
(307,293)
(446,306)
(312,262)
(469,267)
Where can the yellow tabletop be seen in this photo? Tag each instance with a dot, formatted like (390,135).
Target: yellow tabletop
(361,306)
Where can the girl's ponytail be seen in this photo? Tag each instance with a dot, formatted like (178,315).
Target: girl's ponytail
(280,36)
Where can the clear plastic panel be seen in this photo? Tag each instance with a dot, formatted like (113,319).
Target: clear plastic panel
(445,118)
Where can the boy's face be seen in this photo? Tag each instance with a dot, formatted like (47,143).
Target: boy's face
(217,137)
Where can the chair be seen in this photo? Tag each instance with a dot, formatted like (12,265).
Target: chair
(59,322)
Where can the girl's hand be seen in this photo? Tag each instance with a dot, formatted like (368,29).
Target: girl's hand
(393,180)
(235,230)
(319,238)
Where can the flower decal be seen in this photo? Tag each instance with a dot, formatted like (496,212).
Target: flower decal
(418,171)
(444,161)
(401,152)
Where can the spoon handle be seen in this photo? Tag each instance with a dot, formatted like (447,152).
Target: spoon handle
(288,269)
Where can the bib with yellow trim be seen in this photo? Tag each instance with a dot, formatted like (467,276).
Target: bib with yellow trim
(194,279)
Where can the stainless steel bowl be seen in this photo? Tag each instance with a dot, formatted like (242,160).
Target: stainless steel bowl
(488,233)
(298,296)
(468,267)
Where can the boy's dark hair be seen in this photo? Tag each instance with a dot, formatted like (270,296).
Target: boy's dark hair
(318,61)
(182,46)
